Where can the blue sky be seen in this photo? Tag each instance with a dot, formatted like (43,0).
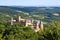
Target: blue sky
(30,2)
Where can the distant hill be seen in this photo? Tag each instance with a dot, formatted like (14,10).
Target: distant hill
(42,13)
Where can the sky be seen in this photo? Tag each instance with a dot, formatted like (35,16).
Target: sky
(29,2)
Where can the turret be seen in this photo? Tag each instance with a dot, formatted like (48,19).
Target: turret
(39,26)
(18,19)
(29,22)
(12,21)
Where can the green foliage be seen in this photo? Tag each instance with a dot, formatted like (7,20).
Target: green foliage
(43,13)
(51,30)
(18,32)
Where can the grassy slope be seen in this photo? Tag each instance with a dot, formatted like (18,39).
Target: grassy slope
(34,12)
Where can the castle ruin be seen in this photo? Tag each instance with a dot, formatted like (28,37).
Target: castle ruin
(28,22)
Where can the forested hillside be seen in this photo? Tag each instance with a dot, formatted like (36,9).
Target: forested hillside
(43,13)
(51,30)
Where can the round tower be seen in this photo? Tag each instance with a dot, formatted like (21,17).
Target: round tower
(19,18)
(11,20)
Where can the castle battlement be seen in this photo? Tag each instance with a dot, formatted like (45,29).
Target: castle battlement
(28,22)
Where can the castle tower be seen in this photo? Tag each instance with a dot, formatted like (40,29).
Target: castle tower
(12,21)
(19,18)
(29,22)
(39,26)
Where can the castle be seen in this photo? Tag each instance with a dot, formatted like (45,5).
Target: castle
(36,26)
